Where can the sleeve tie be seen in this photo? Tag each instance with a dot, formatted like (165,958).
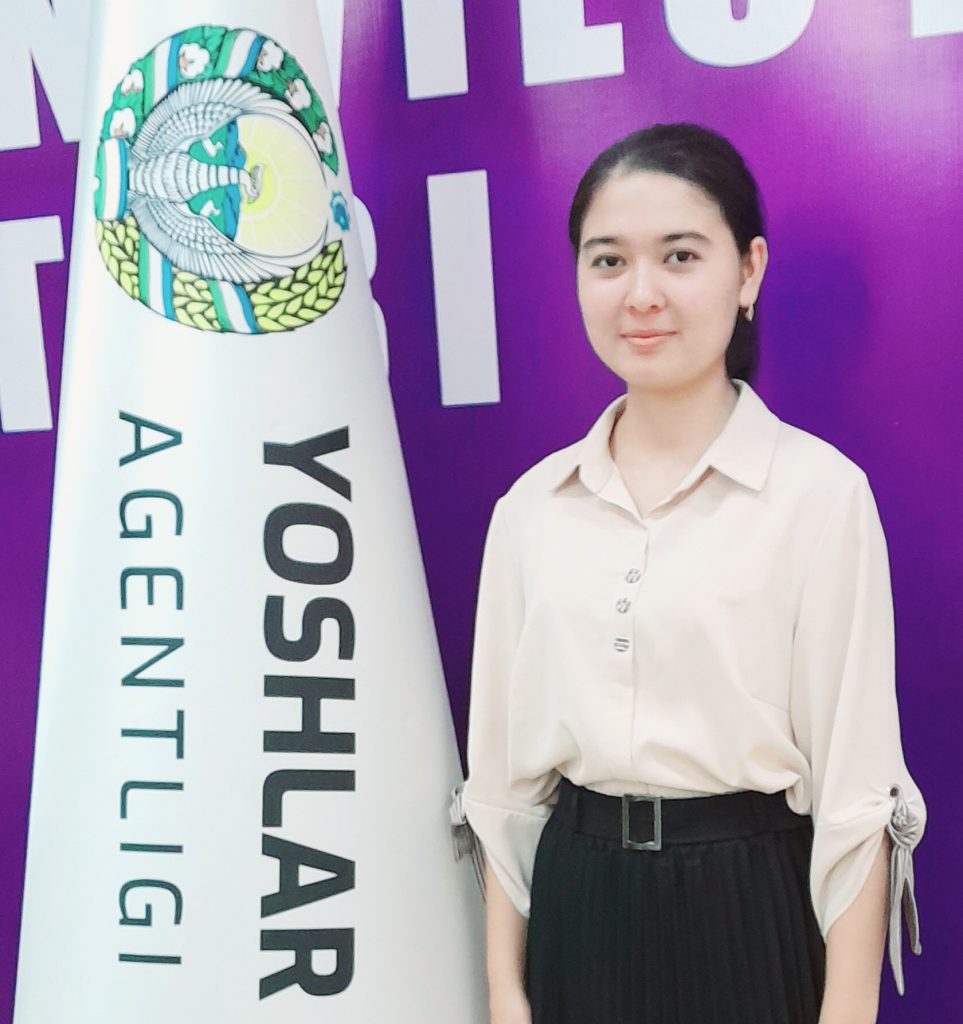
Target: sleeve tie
(904,831)
(464,841)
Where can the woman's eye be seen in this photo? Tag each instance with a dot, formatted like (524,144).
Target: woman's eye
(607,261)
(683,256)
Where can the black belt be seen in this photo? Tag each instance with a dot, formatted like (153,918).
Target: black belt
(651,822)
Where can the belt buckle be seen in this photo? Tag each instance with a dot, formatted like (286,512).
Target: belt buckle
(656,842)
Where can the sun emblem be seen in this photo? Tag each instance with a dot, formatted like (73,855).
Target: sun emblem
(218,198)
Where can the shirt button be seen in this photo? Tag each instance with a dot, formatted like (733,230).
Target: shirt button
(621,644)
(623,605)
(633,576)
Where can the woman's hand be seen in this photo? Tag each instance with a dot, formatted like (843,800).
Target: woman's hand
(509,1008)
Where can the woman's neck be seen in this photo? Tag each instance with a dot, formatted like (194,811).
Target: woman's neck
(672,426)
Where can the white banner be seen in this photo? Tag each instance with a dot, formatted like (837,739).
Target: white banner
(244,747)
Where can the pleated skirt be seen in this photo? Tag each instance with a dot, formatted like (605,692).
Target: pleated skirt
(719,932)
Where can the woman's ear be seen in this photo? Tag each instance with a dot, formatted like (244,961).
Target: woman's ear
(753,270)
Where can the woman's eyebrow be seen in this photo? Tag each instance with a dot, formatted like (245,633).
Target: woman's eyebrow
(674,236)
(678,236)
(602,240)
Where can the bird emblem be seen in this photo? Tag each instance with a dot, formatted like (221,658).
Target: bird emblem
(161,178)
(218,191)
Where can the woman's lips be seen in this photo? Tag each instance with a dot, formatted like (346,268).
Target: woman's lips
(645,339)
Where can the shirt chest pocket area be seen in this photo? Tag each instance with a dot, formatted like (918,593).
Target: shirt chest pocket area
(730,615)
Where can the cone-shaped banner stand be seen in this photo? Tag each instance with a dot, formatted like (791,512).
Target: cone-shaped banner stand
(244,749)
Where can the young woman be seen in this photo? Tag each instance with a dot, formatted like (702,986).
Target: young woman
(685,767)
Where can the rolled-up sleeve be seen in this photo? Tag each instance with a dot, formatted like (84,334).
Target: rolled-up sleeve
(846,722)
(506,813)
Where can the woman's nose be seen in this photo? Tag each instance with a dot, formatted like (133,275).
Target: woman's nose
(643,292)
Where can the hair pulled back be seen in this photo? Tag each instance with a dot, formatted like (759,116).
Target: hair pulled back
(711,163)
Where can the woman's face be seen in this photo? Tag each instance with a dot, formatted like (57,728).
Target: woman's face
(660,280)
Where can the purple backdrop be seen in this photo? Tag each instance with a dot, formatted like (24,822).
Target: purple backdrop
(855,135)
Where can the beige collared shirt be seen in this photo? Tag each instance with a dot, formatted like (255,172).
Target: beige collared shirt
(738,635)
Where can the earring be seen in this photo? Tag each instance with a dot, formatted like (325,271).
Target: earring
(748,312)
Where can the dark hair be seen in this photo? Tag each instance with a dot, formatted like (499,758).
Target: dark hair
(708,161)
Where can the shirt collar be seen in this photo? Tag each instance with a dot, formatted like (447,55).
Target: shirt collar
(742,450)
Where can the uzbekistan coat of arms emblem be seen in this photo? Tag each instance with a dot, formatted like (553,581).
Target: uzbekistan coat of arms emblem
(217,197)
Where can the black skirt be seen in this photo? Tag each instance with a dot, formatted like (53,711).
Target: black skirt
(695,933)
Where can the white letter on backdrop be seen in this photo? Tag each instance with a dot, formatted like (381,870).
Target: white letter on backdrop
(436,57)
(461,255)
(58,45)
(558,47)
(937,17)
(706,31)
(24,395)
